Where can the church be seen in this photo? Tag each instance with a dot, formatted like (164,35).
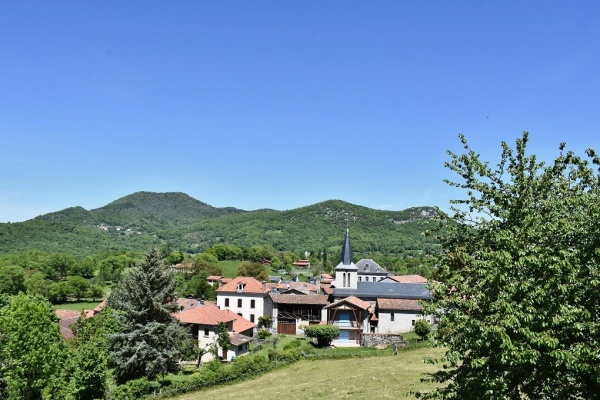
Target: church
(366,301)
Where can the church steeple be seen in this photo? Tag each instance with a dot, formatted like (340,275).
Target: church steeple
(346,258)
(346,273)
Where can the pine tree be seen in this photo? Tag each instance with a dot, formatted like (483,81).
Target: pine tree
(149,345)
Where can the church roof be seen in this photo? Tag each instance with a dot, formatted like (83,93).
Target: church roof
(346,260)
(368,266)
(386,290)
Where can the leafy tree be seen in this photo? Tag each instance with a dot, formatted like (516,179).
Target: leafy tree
(175,257)
(12,279)
(254,269)
(199,288)
(519,278)
(422,328)
(79,286)
(37,284)
(58,292)
(31,348)
(59,265)
(149,344)
(223,338)
(206,263)
(265,320)
(111,268)
(323,333)
(85,267)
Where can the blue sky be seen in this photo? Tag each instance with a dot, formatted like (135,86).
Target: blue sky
(282,104)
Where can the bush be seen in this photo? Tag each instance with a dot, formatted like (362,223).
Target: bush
(422,328)
(263,334)
(323,333)
(135,389)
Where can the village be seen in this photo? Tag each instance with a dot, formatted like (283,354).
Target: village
(369,306)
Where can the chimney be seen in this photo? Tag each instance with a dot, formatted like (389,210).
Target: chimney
(264,286)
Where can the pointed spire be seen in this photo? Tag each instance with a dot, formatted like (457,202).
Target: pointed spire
(346,258)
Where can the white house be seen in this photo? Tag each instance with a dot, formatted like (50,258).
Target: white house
(245,296)
(203,319)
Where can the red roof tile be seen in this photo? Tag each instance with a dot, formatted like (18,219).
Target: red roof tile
(251,285)
(316,299)
(399,304)
(352,300)
(214,277)
(240,324)
(207,314)
(409,278)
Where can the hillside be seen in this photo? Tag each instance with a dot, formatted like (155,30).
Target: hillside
(142,219)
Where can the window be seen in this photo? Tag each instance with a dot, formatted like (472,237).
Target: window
(360,278)
(206,332)
(413,322)
(366,279)
(391,316)
(239,302)
(251,317)
(226,302)
(252,304)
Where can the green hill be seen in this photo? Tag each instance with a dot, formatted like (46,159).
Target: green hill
(142,219)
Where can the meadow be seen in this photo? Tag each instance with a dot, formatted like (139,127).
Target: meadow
(384,377)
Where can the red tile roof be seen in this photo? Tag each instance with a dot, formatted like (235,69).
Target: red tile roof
(315,299)
(207,314)
(354,301)
(240,324)
(251,285)
(399,304)
(214,277)
(238,339)
(409,278)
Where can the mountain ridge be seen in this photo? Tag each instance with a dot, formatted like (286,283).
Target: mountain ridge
(142,219)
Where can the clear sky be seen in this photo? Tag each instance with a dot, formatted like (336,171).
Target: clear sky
(282,104)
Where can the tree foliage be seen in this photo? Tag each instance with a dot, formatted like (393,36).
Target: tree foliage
(519,278)
(31,348)
(253,269)
(149,344)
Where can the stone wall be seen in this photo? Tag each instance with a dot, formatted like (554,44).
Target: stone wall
(380,339)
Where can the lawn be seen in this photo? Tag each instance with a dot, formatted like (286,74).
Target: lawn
(229,267)
(77,305)
(384,377)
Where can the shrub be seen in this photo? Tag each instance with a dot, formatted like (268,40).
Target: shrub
(323,333)
(422,328)
(135,389)
(263,334)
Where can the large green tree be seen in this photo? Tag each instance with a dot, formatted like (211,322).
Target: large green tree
(518,284)
(149,343)
(31,348)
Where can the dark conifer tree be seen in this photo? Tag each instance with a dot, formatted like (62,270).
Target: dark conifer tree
(150,343)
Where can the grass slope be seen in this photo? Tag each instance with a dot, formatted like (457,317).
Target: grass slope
(387,377)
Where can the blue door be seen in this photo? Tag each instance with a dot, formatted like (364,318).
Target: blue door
(344,320)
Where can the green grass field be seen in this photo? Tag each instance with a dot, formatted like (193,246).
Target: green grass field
(229,267)
(385,377)
(77,305)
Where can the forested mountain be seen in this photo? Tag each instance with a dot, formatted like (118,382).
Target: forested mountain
(137,221)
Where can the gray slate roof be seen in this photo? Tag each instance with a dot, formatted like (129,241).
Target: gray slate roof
(368,266)
(386,290)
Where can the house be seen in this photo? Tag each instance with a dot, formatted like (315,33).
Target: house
(291,311)
(65,319)
(203,318)
(214,279)
(301,264)
(245,296)
(352,316)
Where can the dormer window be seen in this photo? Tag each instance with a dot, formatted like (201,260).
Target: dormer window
(366,267)
(240,287)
